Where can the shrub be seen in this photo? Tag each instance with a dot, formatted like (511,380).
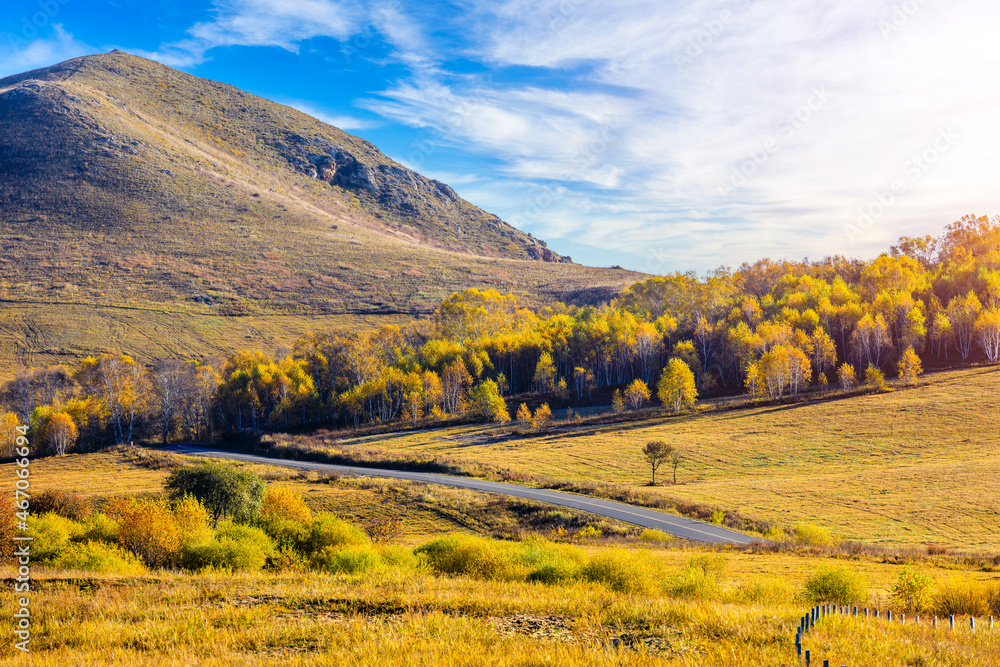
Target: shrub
(285,533)
(962,595)
(50,534)
(812,534)
(283,503)
(224,490)
(776,534)
(399,557)
(383,529)
(64,503)
(348,560)
(588,532)
(100,557)
(624,571)
(551,563)
(769,591)
(837,585)
(235,547)
(191,519)
(655,535)
(542,420)
(327,530)
(148,530)
(699,579)
(875,379)
(99,527)
(287,559)
(471,556)
(912,591)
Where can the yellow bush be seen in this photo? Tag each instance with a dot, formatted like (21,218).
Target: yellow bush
(624,571)
(283,503)
(836,584)
(962,595)
(50,534)
(767,591)
(472,556)
(148,530)
(812,534)
(655,535)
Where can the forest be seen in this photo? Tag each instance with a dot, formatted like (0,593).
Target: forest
(768,329)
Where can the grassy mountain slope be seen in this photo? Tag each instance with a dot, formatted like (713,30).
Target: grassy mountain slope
(126,184)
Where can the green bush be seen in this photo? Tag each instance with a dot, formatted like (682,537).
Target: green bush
(286,533)
(836,584)
(101,557)
(550,563)
(327,530)
(99,527)
(471,556)
(51,533)
(812,534)
(234,547)
(347,560)
(624,571)
(398,557)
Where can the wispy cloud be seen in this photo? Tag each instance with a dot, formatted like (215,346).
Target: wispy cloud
(19,54)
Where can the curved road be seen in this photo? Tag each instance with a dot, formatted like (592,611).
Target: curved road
(675,525)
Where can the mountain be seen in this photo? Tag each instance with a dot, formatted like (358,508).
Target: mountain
(143,206)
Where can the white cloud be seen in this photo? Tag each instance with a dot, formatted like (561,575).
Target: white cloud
(340,121)
(832,100)
(19,54)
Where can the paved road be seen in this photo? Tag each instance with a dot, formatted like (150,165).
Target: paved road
(639,516)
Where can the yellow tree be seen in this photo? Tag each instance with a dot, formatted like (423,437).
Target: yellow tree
(636,394)
(822,350)
(8,436)
(871,340)
(523,417)
(963,313)
(545,374)
(847,377)
(988,333)
(909,367)
(676,388)
(117,379)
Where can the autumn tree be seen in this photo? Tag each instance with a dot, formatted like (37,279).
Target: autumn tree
(676,388)
(847,377)
(656,453)
(545,374)
(523,417)
(962,314)
(909,367)
(636,394)
(617,402)
(988,333)
(455,384)
(8,435)
(872,341)
(488,404)
(542,419)
(118,381)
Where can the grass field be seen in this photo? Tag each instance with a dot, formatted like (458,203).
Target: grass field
(407,614)
(909,467)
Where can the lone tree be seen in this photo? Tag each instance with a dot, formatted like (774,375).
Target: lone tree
(224,490)
(676,388)
(675,462)
(656,452)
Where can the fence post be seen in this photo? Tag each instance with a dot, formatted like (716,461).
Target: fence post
(935,621)
(807,658)
(952,618)
(991,622)
(866,612)
(972,623)
(902,618)
(855,610)
(888,615)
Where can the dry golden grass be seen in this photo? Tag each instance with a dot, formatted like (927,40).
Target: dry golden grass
(910,467)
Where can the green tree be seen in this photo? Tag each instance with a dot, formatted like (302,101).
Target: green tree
(488,403)
(676,388)
(224,490)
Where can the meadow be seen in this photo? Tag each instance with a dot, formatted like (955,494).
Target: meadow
(441,593)
(906,468)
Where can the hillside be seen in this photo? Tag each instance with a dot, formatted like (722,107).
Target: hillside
(127,187)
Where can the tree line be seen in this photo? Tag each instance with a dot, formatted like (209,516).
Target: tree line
(769,329)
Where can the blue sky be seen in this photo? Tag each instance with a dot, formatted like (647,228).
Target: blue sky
(656,135)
